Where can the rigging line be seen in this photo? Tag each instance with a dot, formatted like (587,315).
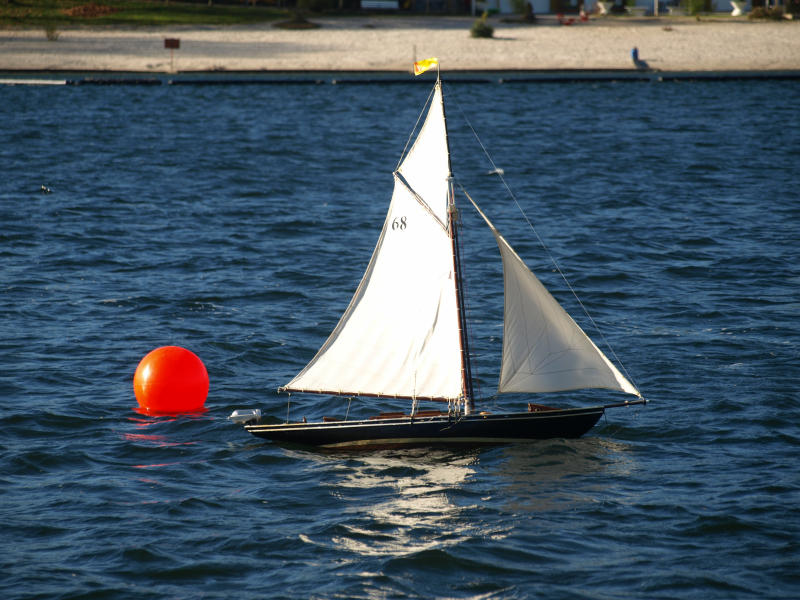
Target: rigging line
(542,244)
(414,129)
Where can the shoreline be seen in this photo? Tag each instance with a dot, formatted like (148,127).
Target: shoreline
(105,78)
(381,44)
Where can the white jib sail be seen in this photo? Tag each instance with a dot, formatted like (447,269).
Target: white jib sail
(544,350)
(399,335)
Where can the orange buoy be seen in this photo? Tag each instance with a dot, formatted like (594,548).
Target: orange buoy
(171,380)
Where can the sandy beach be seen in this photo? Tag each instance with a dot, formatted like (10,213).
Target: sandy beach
(377,43)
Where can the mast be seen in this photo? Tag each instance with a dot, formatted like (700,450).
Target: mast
(452,218)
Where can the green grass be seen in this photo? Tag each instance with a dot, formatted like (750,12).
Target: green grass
(40,13)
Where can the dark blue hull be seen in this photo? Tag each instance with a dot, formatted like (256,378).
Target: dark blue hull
(472,430)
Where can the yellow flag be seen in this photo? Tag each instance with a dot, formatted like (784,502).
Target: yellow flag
(423,65)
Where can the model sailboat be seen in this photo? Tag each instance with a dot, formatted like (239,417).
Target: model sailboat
(404,333)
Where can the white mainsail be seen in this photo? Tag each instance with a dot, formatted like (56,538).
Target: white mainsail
(400,334)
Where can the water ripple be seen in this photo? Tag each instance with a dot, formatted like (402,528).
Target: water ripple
(237,221)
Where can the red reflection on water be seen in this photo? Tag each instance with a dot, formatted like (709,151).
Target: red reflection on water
(149,422)
(143,411)
(157,440)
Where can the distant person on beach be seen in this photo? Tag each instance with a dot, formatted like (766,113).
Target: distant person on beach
(637,62)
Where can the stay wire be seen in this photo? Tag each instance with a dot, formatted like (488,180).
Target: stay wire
(499,173)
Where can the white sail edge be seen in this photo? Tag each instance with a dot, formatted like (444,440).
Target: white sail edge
(544,349)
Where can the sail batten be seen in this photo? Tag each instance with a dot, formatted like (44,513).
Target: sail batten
(422,202)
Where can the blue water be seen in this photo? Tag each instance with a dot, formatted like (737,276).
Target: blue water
(236,221)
